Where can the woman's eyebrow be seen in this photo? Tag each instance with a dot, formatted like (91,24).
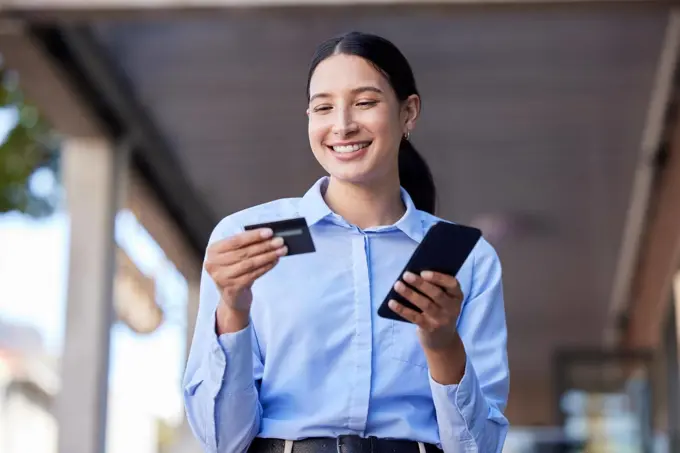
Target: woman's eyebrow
(357,90)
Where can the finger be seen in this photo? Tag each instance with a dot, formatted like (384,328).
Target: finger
(242,254)
(431,290)
(426,304)
(241,240)
(419,319)
(249,265)
(447,282)
(248,279)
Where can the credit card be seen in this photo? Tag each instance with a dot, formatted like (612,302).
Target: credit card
(294,232)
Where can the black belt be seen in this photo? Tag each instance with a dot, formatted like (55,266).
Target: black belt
(343,444)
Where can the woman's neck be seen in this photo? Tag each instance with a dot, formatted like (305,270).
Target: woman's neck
(365,206)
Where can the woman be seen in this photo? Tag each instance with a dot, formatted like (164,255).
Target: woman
(289,354)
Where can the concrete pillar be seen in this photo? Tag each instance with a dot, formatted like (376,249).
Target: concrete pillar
(672,358)
(90,176)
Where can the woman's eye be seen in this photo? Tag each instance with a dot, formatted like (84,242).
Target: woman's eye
(366,103)
(322,108)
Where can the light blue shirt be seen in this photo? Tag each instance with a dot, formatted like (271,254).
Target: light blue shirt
(317,361)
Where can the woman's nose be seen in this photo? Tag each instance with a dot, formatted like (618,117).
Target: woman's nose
(344,123)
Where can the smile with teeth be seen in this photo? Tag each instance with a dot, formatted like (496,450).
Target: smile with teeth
(350,148)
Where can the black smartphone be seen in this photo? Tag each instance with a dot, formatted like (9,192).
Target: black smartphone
(444,249)
(295,234)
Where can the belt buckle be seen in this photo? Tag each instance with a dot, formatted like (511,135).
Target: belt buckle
(350,443)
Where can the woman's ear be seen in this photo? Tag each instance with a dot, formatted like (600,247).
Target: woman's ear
(410,112)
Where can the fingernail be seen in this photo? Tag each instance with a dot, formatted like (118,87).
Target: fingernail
(282,251)
(398,286)
(392,304)
(277,242)
(266,233)
(426,274)
(409,277)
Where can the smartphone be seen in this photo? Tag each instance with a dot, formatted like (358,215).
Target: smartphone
(444,249)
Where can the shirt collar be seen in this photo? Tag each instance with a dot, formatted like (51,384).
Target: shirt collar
(314,209)
(312,206)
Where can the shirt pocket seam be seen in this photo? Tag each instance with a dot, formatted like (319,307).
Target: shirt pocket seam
(397,351)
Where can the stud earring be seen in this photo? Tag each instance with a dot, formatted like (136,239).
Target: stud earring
(407,135)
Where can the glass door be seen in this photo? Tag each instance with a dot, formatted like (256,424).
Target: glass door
(604,400)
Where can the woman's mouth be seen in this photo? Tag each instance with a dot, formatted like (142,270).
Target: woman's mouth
(349,148)
(349,151)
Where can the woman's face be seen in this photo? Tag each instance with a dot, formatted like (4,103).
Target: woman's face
(356,121)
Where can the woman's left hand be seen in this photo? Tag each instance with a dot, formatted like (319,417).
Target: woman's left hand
(440,301)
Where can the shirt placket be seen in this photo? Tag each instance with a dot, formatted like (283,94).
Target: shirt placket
(362,342)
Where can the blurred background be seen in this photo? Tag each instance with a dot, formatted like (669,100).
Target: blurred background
(129,128)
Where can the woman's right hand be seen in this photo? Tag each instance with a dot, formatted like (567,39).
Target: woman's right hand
(234,264)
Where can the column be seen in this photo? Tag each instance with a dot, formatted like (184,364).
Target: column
(672,359)
(90,178)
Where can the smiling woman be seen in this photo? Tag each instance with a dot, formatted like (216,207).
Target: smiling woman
(369,83)
(288,354)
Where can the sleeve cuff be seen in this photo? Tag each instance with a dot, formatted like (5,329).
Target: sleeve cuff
(231,361)
(463,405)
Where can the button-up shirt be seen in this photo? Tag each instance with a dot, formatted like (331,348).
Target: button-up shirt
(317,361)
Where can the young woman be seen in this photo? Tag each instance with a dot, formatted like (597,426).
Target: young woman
(288,352)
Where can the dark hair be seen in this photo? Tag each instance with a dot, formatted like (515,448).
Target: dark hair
(414,173)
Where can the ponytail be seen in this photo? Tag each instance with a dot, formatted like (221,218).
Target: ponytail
(415,177)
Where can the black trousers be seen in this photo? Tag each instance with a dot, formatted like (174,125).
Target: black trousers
(343,444)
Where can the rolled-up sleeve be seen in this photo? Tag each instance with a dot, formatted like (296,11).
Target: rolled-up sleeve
(470,413)
(220,396)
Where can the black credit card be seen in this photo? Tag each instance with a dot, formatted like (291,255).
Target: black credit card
(294,232)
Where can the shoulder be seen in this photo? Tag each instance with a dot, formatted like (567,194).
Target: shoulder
(483,253)
(280,209)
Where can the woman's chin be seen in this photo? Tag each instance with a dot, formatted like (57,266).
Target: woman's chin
(351,176)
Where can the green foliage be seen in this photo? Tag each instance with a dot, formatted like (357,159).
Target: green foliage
(30,148)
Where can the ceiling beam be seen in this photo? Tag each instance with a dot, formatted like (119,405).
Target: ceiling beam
(80,10)
(48,85)
(149,211)
(95,103)
(89,62)
(44,83)
(645,172)
(660,253)
(94,5)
